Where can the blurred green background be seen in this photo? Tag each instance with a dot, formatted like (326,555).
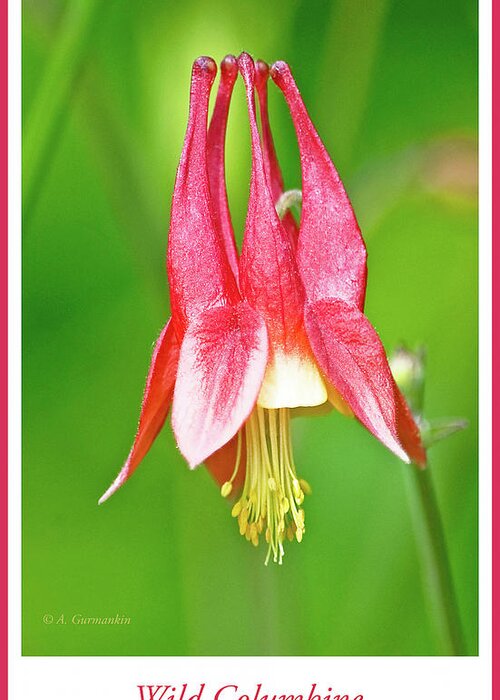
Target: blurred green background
(392,89)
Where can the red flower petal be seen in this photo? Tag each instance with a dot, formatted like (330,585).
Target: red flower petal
(155,404)
(221,463)
(331,253)
(221,366)
(198,269)
(269,277)
(352,357)
(215,155)
(271,165)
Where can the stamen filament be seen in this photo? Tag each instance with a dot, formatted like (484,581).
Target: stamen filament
(272,493)
(227,486)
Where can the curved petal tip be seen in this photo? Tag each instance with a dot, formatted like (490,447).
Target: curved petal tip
(279,70)
(229,65)
(155,404)
(119,481)
(205,64)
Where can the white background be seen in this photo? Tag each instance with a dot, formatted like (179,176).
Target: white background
(110,678)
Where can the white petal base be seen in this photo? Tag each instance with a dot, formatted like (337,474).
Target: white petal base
(291,381)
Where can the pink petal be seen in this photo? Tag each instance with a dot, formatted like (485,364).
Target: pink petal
(198,269)
(155,403)
(271,165)
(331,253)
(269,276)
(353,359)
(215,155)
(221,366)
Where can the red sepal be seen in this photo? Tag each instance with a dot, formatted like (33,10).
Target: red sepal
(331,253)
(221,366)
(352,357)
(155,403)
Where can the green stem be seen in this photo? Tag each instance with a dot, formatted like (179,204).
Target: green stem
(436,571)
(45,116)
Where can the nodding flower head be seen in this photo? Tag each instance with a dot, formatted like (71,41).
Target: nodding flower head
(280,326)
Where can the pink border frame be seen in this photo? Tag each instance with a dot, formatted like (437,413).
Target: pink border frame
(495,154)
(4,357)
(3,351)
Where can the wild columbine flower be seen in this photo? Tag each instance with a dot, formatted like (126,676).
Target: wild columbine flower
(281,326)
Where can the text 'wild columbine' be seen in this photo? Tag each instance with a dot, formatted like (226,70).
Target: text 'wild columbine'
(277,327)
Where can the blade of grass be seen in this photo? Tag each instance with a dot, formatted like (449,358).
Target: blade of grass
(44,120)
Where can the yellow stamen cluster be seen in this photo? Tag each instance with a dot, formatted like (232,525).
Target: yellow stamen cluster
(270,504)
